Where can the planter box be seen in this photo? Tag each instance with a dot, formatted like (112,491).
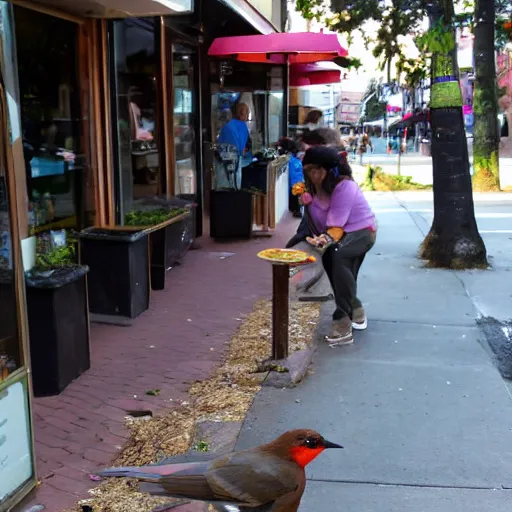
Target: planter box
(119,271)
(58,323)
(230,214)
(169,244)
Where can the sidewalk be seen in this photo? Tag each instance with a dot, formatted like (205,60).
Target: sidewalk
(417,402)
(179,340)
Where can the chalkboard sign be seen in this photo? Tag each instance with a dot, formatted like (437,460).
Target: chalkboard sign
(16,467)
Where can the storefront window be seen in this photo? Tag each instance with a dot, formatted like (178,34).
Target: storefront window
(135,57)
(16,457)
(275,116)
(50,119)
(10,351)
(184,120)
(224,107)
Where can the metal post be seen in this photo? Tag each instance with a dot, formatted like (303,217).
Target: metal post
(280,313)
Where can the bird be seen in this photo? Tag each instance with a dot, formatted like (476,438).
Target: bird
(268,478)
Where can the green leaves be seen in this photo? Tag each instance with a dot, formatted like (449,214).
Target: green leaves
(438,39)
(152,217)
(55,258)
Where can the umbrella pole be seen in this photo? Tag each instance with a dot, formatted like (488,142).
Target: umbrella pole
(286,91)
(280,310)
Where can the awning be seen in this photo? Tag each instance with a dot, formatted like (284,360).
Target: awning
(295,48)
(250,14)
(114,8)
(409,119)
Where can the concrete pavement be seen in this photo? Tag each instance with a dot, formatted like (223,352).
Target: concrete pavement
(425,417)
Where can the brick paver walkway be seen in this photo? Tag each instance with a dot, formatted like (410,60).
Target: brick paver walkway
(180,339)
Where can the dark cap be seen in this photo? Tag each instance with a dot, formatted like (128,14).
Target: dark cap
(322,156)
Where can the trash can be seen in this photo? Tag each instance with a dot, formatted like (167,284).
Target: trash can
(231,214)
(119,271)
(58,322)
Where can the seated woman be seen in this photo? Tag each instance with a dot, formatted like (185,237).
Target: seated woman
(344,228)
(320,137)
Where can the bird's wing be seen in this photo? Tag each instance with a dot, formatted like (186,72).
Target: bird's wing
(155,472)
(253,478)
(173,480)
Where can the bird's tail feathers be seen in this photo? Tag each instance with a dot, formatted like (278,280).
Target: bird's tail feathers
(130,472)
(153,488)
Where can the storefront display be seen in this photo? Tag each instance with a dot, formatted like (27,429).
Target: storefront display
(135,64)
(50,119)
(17,474)
(184,116)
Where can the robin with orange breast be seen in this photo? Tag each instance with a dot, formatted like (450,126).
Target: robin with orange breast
(268,478)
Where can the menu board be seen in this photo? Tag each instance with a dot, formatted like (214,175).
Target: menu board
(15,440)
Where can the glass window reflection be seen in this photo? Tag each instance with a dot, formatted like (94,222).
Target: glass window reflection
(184,120)
(50,119)
(136,56)
(10,346)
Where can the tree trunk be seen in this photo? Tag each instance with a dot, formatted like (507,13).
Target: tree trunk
(453,240)
(486,176)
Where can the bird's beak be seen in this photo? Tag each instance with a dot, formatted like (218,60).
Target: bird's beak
(328,444)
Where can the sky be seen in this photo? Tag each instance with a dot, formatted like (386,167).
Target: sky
(357,81)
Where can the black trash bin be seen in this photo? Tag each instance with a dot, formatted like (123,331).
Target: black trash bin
(119,271)
(254,176)
(231,214)
(58,321)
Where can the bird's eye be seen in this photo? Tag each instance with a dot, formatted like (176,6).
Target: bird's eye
(312,442)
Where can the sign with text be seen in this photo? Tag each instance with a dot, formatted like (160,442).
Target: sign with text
(15,440)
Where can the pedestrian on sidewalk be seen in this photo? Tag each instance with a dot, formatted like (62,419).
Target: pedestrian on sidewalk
(344,228)
(363,144)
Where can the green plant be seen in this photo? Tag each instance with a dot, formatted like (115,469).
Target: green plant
(151,217)
(377,180)
(55,258)
(201,446)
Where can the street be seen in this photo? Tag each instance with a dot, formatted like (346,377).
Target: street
(417,401)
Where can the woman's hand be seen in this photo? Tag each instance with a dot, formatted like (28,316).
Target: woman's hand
(320,241)
(306,199)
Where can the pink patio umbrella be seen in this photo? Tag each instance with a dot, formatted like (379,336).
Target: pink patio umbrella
(279,48)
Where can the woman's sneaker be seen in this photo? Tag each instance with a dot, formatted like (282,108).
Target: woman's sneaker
(359,320)
(341,333)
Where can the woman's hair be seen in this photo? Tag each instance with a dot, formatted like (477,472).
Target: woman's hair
(287,145)
(322,137)
(334,162)
(313,116)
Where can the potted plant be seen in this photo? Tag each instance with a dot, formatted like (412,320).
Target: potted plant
(119,273)
(58,316)
(170,224)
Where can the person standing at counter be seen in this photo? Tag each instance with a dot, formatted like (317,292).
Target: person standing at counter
(287,146)
(234,132)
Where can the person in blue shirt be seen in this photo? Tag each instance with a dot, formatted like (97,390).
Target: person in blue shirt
(287,146)
(235,132)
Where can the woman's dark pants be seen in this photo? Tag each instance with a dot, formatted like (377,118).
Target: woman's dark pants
(342,262)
